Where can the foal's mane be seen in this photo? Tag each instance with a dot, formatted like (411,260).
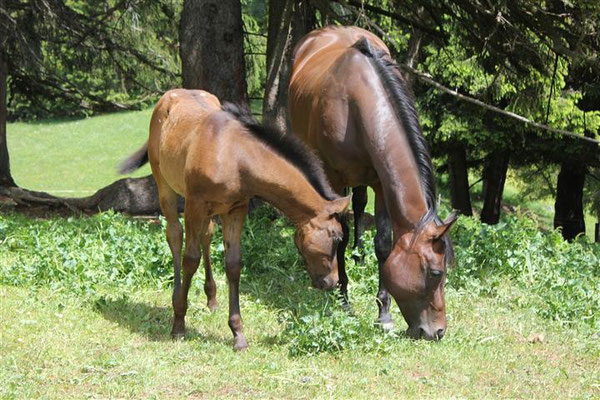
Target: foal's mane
(404,106)
(288,146)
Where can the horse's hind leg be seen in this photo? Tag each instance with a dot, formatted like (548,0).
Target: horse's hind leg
(359,202)
(232,230)
(168,204)
(383,246)
(210,288)
(196,224)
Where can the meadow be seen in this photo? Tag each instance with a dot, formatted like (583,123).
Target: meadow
(85,303)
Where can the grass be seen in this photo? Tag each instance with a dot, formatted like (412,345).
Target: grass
(91,317)
(85,302)
(75,158)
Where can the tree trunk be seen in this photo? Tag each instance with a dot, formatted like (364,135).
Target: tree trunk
(494,175)
(289,21)
(5,175)
(459,179)
(135,196)
(212,48)
(568,208)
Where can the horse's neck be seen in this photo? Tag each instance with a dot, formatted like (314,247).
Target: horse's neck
(283,185)
(396,168)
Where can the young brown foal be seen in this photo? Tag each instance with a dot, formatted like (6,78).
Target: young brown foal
(218,159)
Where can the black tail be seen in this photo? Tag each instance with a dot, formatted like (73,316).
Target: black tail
(134,161)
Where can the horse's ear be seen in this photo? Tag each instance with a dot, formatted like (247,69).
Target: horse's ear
(446,225)
(338,206)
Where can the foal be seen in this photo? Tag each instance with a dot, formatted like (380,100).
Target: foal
(218,158)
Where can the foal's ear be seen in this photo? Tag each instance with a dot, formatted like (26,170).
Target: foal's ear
(338,206)
(446,225)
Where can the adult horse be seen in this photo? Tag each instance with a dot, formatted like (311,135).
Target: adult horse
(218,158)
(349,102)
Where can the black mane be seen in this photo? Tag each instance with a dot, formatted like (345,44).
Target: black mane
(288,146)
(404,106)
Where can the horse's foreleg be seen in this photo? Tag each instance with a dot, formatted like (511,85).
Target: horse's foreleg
(341,260)
(210,288)
(195,224)
(359,202)
(232,229)
(383,246)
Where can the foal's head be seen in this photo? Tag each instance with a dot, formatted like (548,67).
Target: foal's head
(318,239)
(415,274)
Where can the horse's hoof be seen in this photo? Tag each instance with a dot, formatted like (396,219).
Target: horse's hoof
(212,305)
(239,343)
(358,260)
(177,336)
(386,325)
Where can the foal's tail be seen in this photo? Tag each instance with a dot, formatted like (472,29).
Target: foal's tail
(134,161)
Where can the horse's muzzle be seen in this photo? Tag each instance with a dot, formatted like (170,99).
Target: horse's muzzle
(325,282)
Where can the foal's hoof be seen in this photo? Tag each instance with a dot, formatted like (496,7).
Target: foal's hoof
(212,305)
(239,343)
(177,336)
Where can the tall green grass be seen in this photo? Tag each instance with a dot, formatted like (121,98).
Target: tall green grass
(109,253)
(85,303)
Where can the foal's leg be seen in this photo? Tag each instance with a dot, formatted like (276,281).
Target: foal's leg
(168,204)
(383,246)
(210,288)
(232,230)
(196,224)
(359,202)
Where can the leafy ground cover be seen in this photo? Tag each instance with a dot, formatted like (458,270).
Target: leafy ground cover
(85,305)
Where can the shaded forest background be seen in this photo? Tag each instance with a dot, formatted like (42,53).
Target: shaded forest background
(539,60)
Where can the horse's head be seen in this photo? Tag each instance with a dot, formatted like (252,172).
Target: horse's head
(415,273)
(318,239)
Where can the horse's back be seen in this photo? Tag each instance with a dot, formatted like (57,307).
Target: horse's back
(186,129)
(330,76)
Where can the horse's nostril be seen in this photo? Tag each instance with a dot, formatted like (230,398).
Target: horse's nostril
(440,333)
(421,333)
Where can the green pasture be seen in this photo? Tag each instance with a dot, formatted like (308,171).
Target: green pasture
(85,302)
(85,305)
(73,158)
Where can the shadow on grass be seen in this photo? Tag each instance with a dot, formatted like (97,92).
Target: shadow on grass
(273,278)
(150,321)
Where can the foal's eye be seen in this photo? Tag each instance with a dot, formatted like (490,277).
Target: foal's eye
(435,273)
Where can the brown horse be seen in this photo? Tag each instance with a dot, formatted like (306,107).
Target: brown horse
(218,158)
(349,102)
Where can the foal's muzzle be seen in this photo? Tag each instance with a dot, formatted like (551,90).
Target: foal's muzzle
(325,282)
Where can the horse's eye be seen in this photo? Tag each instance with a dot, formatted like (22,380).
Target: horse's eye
(435,273)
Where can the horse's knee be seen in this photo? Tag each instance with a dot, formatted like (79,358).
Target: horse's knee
(190,264)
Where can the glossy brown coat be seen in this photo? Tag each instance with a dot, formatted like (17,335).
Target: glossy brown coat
(342,107)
